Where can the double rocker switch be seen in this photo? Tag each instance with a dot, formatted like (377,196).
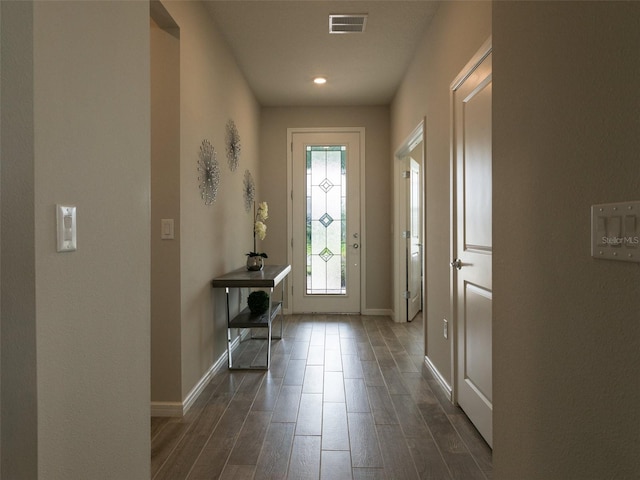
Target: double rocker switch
(615,234)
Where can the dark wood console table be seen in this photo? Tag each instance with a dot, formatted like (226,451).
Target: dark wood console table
(266,279)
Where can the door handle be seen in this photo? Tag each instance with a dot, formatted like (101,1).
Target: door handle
(457,263)
(355,245)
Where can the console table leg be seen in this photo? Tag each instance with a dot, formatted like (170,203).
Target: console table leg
(228,330)
(269,329)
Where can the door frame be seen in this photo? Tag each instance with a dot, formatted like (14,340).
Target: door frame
(400,221)
(468,70)
(363,229)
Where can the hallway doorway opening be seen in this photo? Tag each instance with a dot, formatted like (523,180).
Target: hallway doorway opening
(408,227)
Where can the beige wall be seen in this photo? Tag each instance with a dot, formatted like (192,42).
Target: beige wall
(213,238)
(19,370)
(166,372)
(1,244)
(456,32)
(79,360)
(566,326)
(91,116)
(273,186)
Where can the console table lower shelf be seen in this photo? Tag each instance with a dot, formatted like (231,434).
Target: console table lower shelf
(248,320)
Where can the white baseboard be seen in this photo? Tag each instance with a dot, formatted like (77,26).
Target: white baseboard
(179,409)
(206,378)
(384,312)
(166,409)
(443,383)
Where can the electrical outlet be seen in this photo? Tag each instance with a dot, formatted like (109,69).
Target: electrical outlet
(445,330)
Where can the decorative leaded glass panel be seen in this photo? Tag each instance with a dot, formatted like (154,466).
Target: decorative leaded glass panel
(326,220)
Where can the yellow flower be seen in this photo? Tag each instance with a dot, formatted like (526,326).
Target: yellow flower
(260,229)
(263,211)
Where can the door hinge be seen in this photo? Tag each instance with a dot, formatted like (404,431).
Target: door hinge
(406,174)
(406,294)
(406,234)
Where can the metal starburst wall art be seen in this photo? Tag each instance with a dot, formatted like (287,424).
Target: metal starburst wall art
(233,145)
(209,172)
(249,190)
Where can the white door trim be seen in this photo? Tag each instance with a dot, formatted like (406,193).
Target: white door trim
(399,257)
(363,227)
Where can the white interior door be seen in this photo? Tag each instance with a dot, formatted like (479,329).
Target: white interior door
(325,224)
(472,236)
(414,240)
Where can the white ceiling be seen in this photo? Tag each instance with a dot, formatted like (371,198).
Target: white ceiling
(281,45)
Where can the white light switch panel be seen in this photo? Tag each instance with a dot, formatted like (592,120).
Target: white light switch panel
(166,229)
(615,231)
(66,227)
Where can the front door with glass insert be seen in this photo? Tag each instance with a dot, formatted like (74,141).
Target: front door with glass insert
(325,224)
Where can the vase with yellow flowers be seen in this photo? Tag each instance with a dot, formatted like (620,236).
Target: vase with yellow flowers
(255,259)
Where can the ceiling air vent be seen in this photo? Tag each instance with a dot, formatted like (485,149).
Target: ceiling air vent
(354,23)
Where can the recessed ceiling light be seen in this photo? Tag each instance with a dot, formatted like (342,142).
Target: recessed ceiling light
(320,80)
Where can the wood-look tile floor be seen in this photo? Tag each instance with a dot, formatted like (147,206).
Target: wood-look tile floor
(346,397)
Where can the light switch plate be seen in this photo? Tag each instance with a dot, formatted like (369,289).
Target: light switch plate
(615,231)
(66,228)
(167,229)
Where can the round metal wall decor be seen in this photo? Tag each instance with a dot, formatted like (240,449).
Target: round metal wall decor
(249,191)
(209,172)
(233,145)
